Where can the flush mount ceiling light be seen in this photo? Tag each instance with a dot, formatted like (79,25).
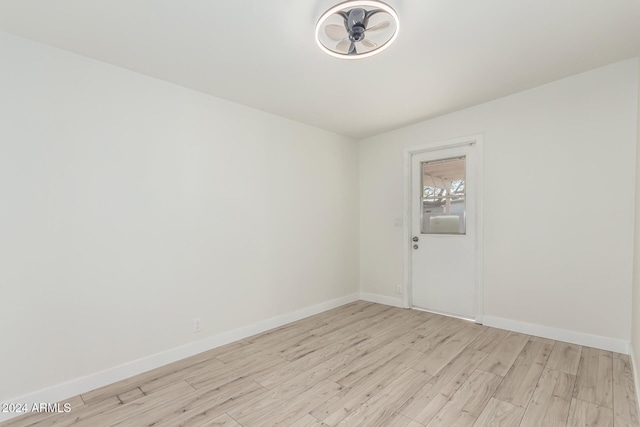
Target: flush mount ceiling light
(357,29)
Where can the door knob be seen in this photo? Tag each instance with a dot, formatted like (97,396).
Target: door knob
(415,238)
(415,246)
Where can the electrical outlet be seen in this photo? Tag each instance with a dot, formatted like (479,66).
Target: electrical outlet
(197,326)
(399,289)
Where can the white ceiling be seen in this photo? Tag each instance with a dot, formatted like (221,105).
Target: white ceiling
(449,54)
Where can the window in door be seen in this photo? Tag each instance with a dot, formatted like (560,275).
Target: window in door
(443,196)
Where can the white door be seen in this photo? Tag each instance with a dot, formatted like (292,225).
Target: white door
(443,225)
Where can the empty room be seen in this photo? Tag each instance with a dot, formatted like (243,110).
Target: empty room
(319,213)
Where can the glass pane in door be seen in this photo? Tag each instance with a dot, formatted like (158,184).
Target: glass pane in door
(443,196)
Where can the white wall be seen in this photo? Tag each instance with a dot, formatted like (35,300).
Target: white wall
(635,301)
(129,206)
(558,203)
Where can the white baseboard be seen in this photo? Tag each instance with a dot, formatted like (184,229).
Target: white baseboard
(99,379)
(381,299)
(636,375)
(574,337)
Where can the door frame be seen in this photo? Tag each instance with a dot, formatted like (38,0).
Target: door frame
(478,141)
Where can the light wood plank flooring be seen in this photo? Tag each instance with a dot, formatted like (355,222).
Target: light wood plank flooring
(367,364)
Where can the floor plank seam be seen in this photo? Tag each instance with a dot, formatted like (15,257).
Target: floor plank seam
(538,380)
(228,415)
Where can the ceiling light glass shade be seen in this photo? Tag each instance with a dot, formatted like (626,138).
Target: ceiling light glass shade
(357,29)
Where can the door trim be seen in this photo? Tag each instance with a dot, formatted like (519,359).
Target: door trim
(478,141)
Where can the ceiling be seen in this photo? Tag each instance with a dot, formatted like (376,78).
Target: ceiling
(447,170)
(449,54)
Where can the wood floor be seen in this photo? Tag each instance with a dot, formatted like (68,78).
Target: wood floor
(367,364)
